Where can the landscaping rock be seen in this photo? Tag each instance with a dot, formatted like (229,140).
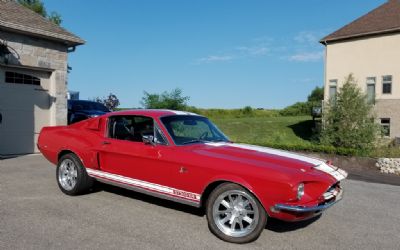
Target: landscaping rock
(389,165)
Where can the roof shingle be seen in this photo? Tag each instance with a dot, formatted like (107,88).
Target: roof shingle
(14,16)
(384,19)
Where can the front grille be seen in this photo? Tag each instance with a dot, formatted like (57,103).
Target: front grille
(332,192)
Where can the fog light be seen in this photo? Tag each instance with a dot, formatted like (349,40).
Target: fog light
(300,191)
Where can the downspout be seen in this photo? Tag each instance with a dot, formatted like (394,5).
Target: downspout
(325,82)
(71,49)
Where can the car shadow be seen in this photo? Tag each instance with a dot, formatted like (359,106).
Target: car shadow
(148,199)
(272,225)
(279,226)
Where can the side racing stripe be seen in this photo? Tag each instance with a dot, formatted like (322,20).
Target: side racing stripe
(144,185)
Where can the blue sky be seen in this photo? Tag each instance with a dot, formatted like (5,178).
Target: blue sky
(222,53)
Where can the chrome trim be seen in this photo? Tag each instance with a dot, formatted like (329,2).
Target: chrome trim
(301,209)
(148,192)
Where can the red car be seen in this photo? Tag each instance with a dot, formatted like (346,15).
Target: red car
(184,157)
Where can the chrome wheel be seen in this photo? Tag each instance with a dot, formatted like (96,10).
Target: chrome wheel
(236,213)
(67,174)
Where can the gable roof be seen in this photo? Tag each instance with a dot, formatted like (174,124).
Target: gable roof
(382,20)
(17,18)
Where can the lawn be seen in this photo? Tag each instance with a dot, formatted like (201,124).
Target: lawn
(287,132)
(295,130)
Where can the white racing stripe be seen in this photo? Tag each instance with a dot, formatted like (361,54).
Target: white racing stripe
(144,184)
(320,165)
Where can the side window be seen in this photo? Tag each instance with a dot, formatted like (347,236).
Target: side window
(130,128)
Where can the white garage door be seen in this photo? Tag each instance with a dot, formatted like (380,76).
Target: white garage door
(24,109)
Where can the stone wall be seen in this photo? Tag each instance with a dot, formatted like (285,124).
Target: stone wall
(37,52)
(389,108)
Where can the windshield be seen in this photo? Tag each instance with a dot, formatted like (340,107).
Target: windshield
(188,129)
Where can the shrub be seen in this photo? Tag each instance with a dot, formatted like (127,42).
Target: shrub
(348,120)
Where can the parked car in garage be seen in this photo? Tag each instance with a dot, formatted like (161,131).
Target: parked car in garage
(184,157)
(79,110)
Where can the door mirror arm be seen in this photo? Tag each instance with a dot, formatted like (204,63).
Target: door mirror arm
(148,139)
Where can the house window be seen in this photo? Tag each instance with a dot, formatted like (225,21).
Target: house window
(387,84)
(332,90)
(385,123)
(13,77)
(371,89)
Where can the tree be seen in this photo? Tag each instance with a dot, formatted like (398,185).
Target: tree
(166,100)
(348,120)
(111,101)
(316,96)
(304,108)
(38,7)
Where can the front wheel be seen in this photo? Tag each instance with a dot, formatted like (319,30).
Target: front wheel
(234,214)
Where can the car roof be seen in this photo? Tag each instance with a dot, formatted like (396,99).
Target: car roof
(151,112)
(77,101)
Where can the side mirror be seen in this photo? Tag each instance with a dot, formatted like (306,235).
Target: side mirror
(148,139)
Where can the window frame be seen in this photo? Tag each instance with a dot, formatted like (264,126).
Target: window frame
(386,124)
(155,126)
(26,79)
(371,84)
(332,83)
(386,82)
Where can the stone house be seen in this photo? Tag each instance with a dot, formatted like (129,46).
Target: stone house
(33,76)
(369,47)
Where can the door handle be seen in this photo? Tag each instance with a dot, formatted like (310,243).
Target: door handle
(106,143)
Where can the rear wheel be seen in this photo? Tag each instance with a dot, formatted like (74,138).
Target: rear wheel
(71,175)
(234,214)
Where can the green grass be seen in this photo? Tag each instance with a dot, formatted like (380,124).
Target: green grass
(287,132)
(267,130)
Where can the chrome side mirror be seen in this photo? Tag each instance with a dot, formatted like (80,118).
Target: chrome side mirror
(148,139)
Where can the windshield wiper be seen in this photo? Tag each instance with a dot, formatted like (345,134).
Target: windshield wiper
(194,141)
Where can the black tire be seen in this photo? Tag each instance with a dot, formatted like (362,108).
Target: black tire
(214,201)
(83,182)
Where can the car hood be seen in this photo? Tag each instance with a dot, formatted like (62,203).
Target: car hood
(269,158)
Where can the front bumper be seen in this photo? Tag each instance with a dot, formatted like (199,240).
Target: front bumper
(312,209)
(301,209)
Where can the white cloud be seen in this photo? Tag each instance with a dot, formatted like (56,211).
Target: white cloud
(215,58)
(308,37)
(307,56)
(254,51)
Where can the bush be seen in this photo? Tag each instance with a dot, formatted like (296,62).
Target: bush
(166,100)
(297,109)
(348,122)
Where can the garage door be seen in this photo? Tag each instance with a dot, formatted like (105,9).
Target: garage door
(24,109)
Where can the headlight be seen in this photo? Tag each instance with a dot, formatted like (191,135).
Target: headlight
(300,191)
(92,116)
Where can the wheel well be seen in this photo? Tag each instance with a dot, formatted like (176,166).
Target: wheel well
(213,185)
(64,152)
(208,190)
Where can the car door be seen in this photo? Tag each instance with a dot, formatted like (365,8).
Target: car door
(124,153)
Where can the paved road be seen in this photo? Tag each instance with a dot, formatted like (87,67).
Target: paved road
(34,214)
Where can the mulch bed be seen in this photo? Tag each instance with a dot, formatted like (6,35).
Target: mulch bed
(359,168)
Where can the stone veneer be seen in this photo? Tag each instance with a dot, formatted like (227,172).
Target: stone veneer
(389,108)
(39,52)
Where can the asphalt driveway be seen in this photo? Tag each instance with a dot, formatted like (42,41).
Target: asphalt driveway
(34,214)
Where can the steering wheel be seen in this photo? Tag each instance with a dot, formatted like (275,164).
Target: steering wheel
(203,135)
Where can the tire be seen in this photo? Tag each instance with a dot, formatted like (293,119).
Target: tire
(230,202)
(71,176)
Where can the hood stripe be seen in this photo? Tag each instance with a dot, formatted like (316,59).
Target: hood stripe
(320,165)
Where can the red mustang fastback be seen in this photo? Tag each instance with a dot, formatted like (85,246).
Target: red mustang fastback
(184,157)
